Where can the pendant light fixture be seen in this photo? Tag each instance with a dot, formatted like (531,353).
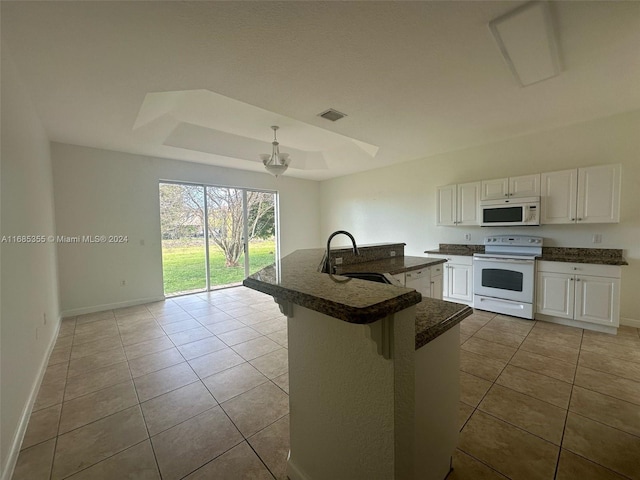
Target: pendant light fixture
(276,163)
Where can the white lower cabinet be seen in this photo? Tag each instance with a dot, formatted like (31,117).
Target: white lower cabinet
(427,281)
(582,292)
(457,278)
(400,278)
(419,280)
(458,282)
(435,286)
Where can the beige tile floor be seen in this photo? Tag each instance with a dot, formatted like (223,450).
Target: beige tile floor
(544,401)
(197,387)
(194,387)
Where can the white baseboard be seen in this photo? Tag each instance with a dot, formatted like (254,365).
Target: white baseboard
(293,472)
(109,306)
(578,324)
(630,322)
(16,441)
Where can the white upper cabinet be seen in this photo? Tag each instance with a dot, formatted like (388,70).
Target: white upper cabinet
(583,195)
(598,194)
(458,204)
(559,197)
(447,205)
(492,189)
(523,186)
(469,203)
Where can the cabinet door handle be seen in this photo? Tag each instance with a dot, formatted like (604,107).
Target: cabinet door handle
(579,219)
(577,279)
(573,219)
(506,194)
(571,279)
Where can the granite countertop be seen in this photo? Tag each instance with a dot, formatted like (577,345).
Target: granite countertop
(434,317)
(297,278)
(596,256)
(456,249)
(392,265)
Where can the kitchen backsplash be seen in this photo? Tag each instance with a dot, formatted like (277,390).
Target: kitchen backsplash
(368,253)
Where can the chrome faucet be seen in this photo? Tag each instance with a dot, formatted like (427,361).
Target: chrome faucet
(327,264)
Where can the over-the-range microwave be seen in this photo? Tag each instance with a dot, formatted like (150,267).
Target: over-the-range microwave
(510,212)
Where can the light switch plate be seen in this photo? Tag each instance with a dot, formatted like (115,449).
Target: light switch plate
(339,261)
(597,238)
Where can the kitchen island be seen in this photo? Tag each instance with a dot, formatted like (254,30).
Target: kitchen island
(373,371)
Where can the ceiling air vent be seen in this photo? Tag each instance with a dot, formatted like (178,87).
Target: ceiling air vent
(332,115)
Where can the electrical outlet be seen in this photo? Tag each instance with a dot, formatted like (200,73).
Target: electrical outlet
(597,238)
(467,236)
(123,283)
(392,253)
(339,261)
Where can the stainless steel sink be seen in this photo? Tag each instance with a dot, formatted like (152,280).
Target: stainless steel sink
(370,276)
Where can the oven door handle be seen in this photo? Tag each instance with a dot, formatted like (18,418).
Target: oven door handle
(503,260)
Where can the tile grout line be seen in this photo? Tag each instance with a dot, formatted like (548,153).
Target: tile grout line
(503,420)
(218,404)
(153,450)
(55,443)
(130,379)
(477,408)
(566,417)
(572,383)
(64,392)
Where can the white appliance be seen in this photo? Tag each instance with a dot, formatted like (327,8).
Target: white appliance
(504,276)
(510,212)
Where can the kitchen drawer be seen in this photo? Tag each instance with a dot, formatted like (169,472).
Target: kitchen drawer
(612,271)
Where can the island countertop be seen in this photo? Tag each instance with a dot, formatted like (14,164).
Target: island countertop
(298,279)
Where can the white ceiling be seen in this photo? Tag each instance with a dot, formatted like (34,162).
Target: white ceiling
(414,78)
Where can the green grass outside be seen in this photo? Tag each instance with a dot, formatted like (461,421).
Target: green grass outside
(184,267)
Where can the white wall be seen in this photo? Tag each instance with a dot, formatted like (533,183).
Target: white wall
(101,192)
(28,278)
(398,203)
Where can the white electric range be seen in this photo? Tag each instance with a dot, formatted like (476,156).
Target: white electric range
(504,276)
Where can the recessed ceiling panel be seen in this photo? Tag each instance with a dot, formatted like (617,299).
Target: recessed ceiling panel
(528,43)
(207,122)
(236,147)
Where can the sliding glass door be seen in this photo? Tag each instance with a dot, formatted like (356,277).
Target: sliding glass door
(261,230)
(182,227)
(226,236)
(213,236)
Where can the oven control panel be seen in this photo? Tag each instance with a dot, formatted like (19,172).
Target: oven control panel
(513,245)
(513,240)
